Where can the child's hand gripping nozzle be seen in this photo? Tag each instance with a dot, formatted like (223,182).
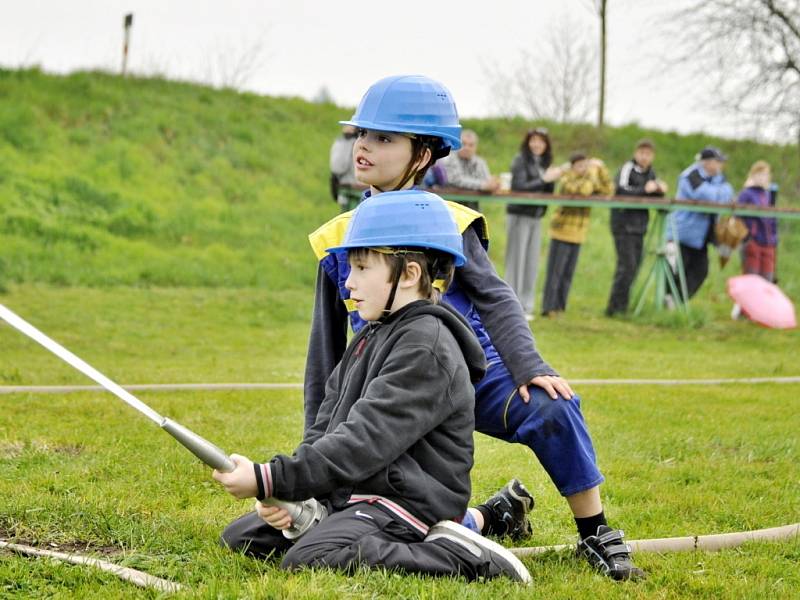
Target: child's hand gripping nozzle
(304,514)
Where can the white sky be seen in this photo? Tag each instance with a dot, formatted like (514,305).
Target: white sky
(346,45)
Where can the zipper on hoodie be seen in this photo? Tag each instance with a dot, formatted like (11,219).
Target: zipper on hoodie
(353,358)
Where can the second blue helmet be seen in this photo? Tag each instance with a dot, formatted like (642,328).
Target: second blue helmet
(404,219)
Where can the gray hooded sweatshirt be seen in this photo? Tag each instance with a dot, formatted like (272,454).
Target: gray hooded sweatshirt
(396,423)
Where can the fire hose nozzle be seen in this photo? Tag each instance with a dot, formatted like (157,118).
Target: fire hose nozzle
(304,514)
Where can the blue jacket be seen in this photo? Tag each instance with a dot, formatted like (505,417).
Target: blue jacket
(695,184)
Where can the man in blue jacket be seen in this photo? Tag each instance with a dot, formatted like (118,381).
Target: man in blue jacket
(703,181)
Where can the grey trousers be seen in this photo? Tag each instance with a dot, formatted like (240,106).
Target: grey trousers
(523,243)
(561,262)
(361,535)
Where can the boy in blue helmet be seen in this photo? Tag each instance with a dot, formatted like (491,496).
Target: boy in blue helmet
(390,451)
(405,123)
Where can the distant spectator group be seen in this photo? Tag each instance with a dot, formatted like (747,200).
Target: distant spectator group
(532,170)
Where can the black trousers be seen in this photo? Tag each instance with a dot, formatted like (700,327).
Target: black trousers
(561,261)
(629,258)
(695,267)
(361,535)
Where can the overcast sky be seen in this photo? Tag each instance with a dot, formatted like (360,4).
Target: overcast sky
(344,45)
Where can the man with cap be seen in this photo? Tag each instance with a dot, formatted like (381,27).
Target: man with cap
(703,181)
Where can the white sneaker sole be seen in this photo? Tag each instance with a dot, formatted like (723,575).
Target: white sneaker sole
(449,530)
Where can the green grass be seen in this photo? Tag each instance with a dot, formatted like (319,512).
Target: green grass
(158,230)
(84,468)
(105,181)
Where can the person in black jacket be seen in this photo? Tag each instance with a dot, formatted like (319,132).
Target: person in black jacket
(628,225)
(390,452)
(530,172)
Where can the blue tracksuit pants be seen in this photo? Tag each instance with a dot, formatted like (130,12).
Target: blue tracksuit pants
(554,429)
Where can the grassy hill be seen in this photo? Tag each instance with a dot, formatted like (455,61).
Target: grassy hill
(107,181)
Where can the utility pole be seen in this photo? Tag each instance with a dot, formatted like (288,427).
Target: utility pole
(127,24)
(602,108)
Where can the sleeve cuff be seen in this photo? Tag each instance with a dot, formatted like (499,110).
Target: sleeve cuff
(263,480)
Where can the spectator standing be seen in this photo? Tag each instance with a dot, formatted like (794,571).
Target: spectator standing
(758,255)
(628,225)
(568,228)
(530,172)
(341,163)
(704,180)
(468,171)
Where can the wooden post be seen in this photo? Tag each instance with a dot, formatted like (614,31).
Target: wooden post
(127,24)
(602,108)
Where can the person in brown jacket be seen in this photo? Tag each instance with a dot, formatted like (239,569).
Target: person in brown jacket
(569,226)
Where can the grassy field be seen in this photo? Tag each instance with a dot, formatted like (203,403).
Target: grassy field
(85,471)
(158,231)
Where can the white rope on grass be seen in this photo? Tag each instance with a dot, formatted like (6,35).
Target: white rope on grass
(126,573)
(175,387)
(707,543)
(149,387)
(715,381)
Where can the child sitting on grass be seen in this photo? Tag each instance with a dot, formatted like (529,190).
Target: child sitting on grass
(390,452)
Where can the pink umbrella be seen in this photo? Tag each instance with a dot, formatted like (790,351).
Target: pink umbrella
(762,301)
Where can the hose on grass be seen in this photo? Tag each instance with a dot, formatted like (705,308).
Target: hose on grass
(708,543)
(126,573)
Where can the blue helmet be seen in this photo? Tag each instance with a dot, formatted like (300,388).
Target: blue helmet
(404,219)
(410,104)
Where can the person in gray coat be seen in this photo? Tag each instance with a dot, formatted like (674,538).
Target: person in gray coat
(530,172)
(466,170)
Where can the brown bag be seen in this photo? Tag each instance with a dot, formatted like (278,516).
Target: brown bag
(729,232)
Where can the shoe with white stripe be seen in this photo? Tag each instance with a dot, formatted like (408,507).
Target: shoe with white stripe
(493,558)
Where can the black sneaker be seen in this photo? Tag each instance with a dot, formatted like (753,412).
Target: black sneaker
(509,510)
(607,553)
(492,558)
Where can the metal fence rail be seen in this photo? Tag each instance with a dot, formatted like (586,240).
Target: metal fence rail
(659,276)
(654,202)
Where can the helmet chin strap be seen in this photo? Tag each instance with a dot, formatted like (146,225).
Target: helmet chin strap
(405,180)
(395,282)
